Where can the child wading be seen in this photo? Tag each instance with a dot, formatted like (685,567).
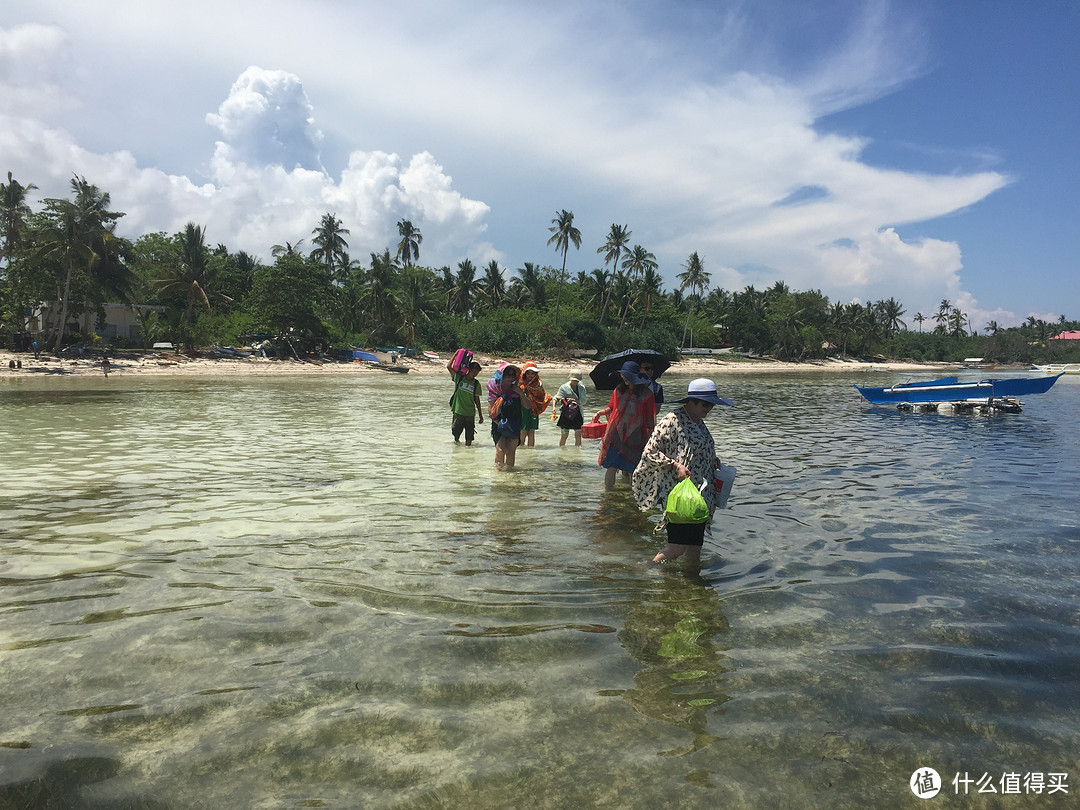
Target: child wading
(465,402)
(530,416)
(506,399)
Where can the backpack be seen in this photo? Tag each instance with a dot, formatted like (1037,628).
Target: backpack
(460,363)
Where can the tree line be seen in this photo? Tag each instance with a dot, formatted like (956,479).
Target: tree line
(66,261)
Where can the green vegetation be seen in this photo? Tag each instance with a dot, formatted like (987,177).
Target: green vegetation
(64,263)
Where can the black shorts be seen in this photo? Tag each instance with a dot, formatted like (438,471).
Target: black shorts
(465,423)
(686,534)
(568,422)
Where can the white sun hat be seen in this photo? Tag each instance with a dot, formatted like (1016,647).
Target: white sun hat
(705,390)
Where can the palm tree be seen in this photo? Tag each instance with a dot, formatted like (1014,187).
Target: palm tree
(650,286)
(493,285)
(531,279)
(13,212)
(244,266)
(288,249)
(465,286)
(696,279)
(719,304)
(957,320)
(786,320)
(891,310)
(330,246)
(517,295)
(635,264)
(347,301)
(622,292)
(778,290)
(415,301)
(617,240)
(446,287)
(78,236)
(149,324)
(942,316)
(110,279)
(919,318)
(992,327)
(408,248)
(840,326)
(748,318)
(864,323)
(563,233)
(379,293)
(598,283)
(192,276)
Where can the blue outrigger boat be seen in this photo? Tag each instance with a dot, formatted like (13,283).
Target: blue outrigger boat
(360,354)
(950,389)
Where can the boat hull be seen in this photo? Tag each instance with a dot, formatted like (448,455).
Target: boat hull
(1059,368)
(949,389)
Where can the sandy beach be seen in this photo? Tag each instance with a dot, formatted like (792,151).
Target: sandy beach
(555,369)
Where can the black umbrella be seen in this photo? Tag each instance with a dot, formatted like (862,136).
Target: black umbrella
(602,375)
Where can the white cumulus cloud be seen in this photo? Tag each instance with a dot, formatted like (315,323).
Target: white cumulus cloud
(267,120)
(267,184)
(33,59)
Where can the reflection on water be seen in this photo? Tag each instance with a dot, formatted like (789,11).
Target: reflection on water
(302,593)
(674,634)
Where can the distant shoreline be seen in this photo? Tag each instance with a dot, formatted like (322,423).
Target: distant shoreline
(554,369)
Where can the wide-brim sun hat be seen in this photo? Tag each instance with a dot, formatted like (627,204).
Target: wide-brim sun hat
(705,390)
(575,375)
(632,372)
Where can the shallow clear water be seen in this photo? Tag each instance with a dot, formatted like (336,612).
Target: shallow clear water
(300,592)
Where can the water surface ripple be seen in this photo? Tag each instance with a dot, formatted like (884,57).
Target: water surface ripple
(300,592)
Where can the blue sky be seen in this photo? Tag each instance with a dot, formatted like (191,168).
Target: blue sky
(919,149)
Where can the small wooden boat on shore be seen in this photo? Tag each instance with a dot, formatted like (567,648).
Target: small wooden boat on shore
(950,389)
(228,353)
(400,351)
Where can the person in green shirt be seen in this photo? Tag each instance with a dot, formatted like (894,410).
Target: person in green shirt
(465,402)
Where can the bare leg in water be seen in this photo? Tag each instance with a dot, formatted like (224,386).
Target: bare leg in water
(672,551)
(505,453)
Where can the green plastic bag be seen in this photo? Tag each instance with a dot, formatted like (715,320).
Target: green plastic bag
(685,504)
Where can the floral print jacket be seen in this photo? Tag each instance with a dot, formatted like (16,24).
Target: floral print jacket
(676,439)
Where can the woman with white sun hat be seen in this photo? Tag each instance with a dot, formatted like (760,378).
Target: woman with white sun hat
(681,447)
